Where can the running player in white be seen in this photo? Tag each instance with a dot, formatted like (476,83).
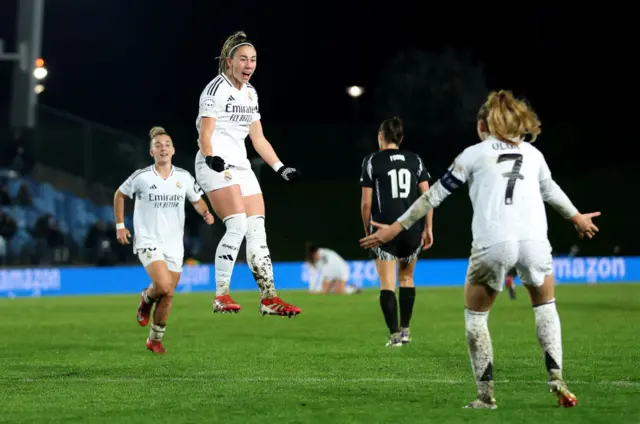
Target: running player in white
(228,113)
(509,181)
(329,271)
(159,192)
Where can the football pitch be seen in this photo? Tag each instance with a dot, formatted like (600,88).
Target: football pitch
(83,360)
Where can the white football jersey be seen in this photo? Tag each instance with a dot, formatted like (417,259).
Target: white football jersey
(504,187)
(158,214)
(235,110)
(330,265)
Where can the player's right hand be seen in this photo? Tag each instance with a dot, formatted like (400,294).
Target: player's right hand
(215,162)
(584,224)
(385,234)
(123,236)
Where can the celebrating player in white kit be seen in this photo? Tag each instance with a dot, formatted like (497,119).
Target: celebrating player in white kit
(159,192)
(509,181)
(228,113)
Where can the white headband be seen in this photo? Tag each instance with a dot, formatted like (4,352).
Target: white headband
(241,44)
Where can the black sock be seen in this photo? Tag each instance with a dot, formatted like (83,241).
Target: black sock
(389,309)
(407,298)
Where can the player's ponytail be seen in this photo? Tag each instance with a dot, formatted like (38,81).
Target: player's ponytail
(508,118)
(392,130)
(156,131)
(233,41)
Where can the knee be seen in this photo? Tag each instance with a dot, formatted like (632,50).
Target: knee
(236,225)
(255,228)
(405,280)
(164,287)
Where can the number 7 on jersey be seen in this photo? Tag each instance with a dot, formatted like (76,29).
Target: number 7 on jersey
(512,176)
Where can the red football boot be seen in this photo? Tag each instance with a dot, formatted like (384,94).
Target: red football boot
(156,346)
(144,311)
(224,304)
(276,306)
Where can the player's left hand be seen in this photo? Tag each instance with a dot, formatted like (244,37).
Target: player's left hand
(385,234)
(289,173)
(427,239)
(584,225)
(208,218)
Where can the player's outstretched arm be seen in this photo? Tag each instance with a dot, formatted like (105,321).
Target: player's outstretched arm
(456,176)
(557,198)
(418,210)
(425,204)
(268,154)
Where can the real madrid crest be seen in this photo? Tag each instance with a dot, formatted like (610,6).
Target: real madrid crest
(148,255)
(250,94)
(227,175)
(178,184)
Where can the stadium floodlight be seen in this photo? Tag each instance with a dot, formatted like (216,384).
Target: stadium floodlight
(355,91)
(40,71)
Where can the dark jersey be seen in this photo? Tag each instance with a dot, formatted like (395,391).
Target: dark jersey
(394,175)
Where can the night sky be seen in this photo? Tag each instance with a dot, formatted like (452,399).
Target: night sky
(121,62)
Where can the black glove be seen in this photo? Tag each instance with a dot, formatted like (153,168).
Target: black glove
(289,174)
(215,162)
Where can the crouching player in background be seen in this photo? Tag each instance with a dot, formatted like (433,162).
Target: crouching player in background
(159,192)
(329,272)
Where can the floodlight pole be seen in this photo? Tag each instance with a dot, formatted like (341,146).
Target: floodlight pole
(29,41)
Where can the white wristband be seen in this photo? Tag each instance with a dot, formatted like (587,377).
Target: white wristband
(120,226)
(276,166)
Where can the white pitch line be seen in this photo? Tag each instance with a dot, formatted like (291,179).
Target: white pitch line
(307,380)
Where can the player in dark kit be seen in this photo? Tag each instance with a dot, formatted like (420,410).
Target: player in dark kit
(391,180)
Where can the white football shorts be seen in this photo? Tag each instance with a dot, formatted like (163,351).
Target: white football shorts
(330,273)
(490,265)
(211,180)
(150,255)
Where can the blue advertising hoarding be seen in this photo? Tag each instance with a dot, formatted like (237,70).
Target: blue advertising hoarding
(35,282)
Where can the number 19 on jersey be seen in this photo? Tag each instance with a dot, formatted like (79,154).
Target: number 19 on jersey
(400,183)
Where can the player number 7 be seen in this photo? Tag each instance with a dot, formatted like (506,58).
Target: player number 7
(512,176)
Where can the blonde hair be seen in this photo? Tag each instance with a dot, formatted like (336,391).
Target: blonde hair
(156,131)
(232,41)
(508,118)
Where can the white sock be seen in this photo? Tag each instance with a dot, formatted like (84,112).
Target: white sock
(147,300)
(549,336)
(227,251)
(480,350)
(156,332)
(259,257)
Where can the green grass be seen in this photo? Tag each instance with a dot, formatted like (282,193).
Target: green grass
(83,359)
